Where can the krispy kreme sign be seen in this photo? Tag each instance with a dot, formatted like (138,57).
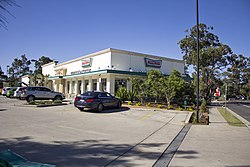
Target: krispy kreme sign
(153,63)
(87,62)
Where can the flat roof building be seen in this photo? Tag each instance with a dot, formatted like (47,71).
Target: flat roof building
(106,70)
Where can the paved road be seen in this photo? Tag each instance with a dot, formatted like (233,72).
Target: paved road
(66,137)
(241,108)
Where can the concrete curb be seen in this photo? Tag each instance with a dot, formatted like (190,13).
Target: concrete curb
(247,123)
(188,117)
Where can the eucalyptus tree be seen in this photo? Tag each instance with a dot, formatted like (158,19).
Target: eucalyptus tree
(238,75)
(18,68)
(39,63)
(213,56)
(37,73)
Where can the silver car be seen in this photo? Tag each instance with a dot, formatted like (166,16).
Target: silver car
(40,93)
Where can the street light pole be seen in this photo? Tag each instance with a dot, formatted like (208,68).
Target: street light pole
(198,53)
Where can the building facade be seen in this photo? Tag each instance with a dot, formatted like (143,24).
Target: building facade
(106,70)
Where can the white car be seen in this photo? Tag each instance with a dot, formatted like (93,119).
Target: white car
(5,90)
(18,92)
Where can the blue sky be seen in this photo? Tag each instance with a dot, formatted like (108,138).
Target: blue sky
(67,29)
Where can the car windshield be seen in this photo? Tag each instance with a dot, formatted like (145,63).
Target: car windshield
(90,94)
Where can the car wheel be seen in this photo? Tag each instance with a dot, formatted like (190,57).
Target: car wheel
(30,98)
(100,107)
(118,104)
(59,98)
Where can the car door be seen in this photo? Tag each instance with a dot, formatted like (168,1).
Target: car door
(112,100)
(104,99)
(47,94)
(36,92)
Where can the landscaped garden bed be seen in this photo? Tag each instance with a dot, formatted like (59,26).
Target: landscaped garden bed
(159,106)
(45,103)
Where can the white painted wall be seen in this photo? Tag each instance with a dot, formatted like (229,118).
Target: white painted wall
(99,62)
(122,61)
(48,69)
(25,79)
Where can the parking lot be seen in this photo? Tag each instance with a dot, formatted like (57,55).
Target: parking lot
(64,136)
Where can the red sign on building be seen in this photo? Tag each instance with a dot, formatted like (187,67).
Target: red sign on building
(153,63)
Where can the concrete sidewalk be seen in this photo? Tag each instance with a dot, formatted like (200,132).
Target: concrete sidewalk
(217,144)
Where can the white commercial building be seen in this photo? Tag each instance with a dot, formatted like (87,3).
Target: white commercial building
(105,70)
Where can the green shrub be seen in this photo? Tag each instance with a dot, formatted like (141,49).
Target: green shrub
(122,94)
(57,101)
(129,103)
(131,95)
(149,105)
(138,104)
(190,109)
(203,107)
(170,107)
(160,106)
(32,103)
(179,108)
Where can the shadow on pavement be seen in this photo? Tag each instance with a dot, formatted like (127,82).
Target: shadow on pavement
(75,153)
(106,111)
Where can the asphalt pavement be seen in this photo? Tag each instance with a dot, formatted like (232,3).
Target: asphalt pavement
(66,137)
(131,137)
(241,108)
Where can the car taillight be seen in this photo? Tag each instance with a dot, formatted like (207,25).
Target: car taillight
(90,100)
(76,98)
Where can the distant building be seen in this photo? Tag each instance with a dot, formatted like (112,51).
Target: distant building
(106,70)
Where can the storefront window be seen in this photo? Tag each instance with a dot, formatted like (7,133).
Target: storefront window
(94,81)
(79,86)
(103,85)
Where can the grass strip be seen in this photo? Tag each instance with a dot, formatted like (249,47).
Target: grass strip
(230,118)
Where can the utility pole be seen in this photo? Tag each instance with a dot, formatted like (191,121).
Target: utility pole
(198,66)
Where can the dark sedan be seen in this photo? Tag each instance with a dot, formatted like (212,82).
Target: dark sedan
(96,100)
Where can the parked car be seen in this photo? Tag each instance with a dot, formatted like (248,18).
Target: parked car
(32,93)
(5,90)
(96,100)
(10,92)
(18,92)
